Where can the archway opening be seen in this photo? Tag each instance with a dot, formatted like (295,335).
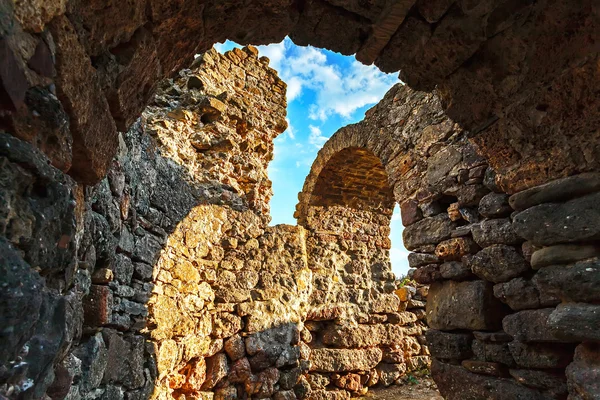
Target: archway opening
(346,207)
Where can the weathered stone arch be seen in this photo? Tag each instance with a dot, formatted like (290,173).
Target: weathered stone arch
(354,178)
(346,173)
(97,65)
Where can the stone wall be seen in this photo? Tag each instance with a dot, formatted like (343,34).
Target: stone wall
(144,275)
(512,278)
(196,273)
(74,73)
(537,259)
(164,280)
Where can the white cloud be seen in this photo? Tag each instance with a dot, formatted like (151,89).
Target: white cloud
(276,54)
(398,254)
(337,90)
(290,132)
(294,88)
(316,137)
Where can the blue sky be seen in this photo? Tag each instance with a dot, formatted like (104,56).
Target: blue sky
(326,91)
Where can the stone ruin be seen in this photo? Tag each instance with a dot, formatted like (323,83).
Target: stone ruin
(136,257)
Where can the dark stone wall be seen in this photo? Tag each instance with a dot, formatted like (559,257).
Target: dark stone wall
(76,72)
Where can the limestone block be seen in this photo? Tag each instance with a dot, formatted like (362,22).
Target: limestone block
(448,345)
(485,367)
(576,322)
(556,191)
(403,293)
(411,346)
(389,373)
(492,352)
(489,180)
(416,260)
(240,371)
(463,305)
(428,274)
(226,393)
(329,395)
(494,231)
(553,223)
(456,271)
(94,357)
(265,383)
(235,347)
(410,212)
(493,337)
(392,356)
(125,355)
(495,205)
(563,254)
(285,395)
(456,383)
(98,306)
(541,355)
(498,263)
(225,325)
(530,326)
(216,369)
(195,373)
(574,282)
(360,336)
(454,249)
(428,231)
(442,163)
(401,318)
(344,360)
(350,382)
(552,382)
(468,196)
(522,294)
(417,363)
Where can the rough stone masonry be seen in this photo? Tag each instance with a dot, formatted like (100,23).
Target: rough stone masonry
(178,288)
(135,253)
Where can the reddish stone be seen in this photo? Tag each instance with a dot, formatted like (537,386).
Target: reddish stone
(41,61)
(13,83)
(351,382)
(410,212)
(195,374)
(95,139)
(240,371)
(97,306)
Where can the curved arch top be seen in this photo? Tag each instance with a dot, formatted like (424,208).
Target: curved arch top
(329,180)
(402,132)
